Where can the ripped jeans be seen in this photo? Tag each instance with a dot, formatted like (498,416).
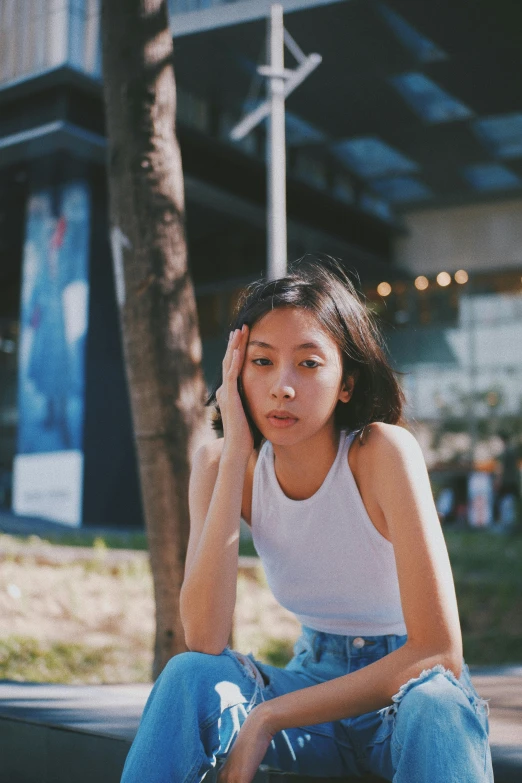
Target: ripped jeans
(435,731)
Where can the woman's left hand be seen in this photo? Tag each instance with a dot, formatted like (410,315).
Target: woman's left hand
(248,749)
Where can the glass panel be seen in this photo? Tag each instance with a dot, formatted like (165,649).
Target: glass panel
(84,36)
(428,100)
(491,176)
(368,156)
(343,189)
(92,38)
(76,37)
(310,169)
(464,373)
(376,206)
(57,35)
(36,35)
(501,135)
(298,131)
(402,189)
(424,50)
(185,6)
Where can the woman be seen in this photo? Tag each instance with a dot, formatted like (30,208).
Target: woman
(338,497)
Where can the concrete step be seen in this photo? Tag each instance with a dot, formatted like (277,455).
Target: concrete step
(81,734)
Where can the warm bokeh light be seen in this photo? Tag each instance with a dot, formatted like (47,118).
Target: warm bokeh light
(492,399)
(421,283)
(383,289)
(461,276)
(443,279)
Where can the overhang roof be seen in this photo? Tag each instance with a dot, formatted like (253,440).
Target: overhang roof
(422,100)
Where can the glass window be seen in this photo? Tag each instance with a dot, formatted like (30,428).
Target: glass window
(298,131)
(185,6)
(368,156)
(376,206)
(428,100)
(400,189)
(421,47)
(501,135)
(310,168)
(343,189)
(491,176)
(37,35)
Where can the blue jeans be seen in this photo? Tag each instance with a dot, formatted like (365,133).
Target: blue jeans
(435,731)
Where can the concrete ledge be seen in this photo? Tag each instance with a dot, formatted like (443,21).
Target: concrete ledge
(35,753)
(61,734)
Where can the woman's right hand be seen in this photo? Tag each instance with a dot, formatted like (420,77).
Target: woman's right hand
(239,440)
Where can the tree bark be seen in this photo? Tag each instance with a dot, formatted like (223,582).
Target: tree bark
(162,347)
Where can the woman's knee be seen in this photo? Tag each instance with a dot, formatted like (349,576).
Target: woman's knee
(438,698)
(191,667)
(434,694)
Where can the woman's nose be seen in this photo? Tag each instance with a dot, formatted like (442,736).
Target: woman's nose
(283,389)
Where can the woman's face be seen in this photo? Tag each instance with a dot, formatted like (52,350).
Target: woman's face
(292,376)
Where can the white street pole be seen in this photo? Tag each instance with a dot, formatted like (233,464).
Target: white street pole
(276,153)
(281,82)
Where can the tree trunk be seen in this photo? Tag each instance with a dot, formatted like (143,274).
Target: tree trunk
(156,301)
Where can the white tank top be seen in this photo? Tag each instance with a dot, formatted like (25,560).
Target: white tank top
(323,558)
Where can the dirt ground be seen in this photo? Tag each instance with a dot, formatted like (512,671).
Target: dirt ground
(58,605)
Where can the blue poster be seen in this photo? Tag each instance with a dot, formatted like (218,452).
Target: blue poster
(53,332)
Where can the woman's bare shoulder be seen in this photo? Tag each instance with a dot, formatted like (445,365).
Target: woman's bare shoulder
(382,438)
(381,446)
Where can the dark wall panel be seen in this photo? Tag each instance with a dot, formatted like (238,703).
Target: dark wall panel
(111,491)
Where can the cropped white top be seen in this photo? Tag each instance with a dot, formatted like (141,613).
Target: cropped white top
(323,557)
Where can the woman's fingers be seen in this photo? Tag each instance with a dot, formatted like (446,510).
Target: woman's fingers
(232,362)
(228,353)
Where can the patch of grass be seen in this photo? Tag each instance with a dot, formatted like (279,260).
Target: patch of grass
(488,581)
(485,649)
(247,548)
(101,541)
(276,652)
(28,660)
(90,538)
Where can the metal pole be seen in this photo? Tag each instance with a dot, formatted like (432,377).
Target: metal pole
(276,154)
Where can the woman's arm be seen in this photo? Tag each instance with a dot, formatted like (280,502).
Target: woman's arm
(208,594)
(400,485)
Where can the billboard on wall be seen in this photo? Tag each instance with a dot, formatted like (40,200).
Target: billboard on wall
(48,468)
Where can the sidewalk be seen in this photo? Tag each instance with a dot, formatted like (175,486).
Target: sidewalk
(82,733)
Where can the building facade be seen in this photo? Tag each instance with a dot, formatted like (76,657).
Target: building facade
(401,161)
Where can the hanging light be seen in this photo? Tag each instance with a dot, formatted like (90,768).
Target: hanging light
(461,276)
(421,283)
(443,279)
(383,289)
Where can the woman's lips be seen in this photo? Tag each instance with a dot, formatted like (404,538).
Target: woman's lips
(282,423)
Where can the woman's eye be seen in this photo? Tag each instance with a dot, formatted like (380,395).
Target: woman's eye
(310,363)
(261,362)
